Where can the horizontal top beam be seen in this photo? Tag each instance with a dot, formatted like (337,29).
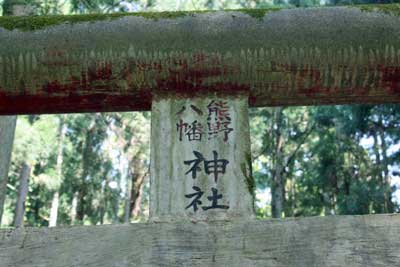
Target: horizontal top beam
(118,62)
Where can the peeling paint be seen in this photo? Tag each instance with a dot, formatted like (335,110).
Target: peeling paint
(298,64)
(33,23)
(188,75)
(391,79)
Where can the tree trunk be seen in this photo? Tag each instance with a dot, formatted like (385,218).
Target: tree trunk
(80,208)
(56,194)
(74,206)
(136,187)
(86,155)
(104,195)
(136,194)
(277,188)
(103,205)
(7,131)
(327,201)
(127,213)
(54,209)
(389,207)
(22,193)
(290,211)
(116,207)
(377,169)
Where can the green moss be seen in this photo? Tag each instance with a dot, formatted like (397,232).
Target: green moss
(165,14)
(249,180)
(32,23)
(390,9)
(258,13)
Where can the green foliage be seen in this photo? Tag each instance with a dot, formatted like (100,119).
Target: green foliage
(332,173)
(32,23)
(8,4)
(258,13)
(35,142)
(390,9)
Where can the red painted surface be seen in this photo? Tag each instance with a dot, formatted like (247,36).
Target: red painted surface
(391,78)
(104,87)
(187,80)
(67,104)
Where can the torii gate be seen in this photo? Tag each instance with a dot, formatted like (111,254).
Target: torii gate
(198,72)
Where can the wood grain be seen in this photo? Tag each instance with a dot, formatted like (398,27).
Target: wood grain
(319,241)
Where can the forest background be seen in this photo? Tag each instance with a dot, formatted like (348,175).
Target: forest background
(93,168)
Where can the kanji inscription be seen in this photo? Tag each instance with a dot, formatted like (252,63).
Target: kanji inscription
(200,159)
(218,122)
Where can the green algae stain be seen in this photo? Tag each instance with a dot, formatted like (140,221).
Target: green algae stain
(258,13)
(32,23)
(249,180)
(389,9)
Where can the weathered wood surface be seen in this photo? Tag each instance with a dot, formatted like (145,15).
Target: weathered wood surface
(319,241)
(117,62)
(7,132)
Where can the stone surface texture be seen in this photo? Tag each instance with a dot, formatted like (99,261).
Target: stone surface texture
(210,134)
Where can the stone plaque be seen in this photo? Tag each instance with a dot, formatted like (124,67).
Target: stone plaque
(200,159)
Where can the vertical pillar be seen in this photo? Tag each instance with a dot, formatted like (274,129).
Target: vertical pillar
(200,159)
